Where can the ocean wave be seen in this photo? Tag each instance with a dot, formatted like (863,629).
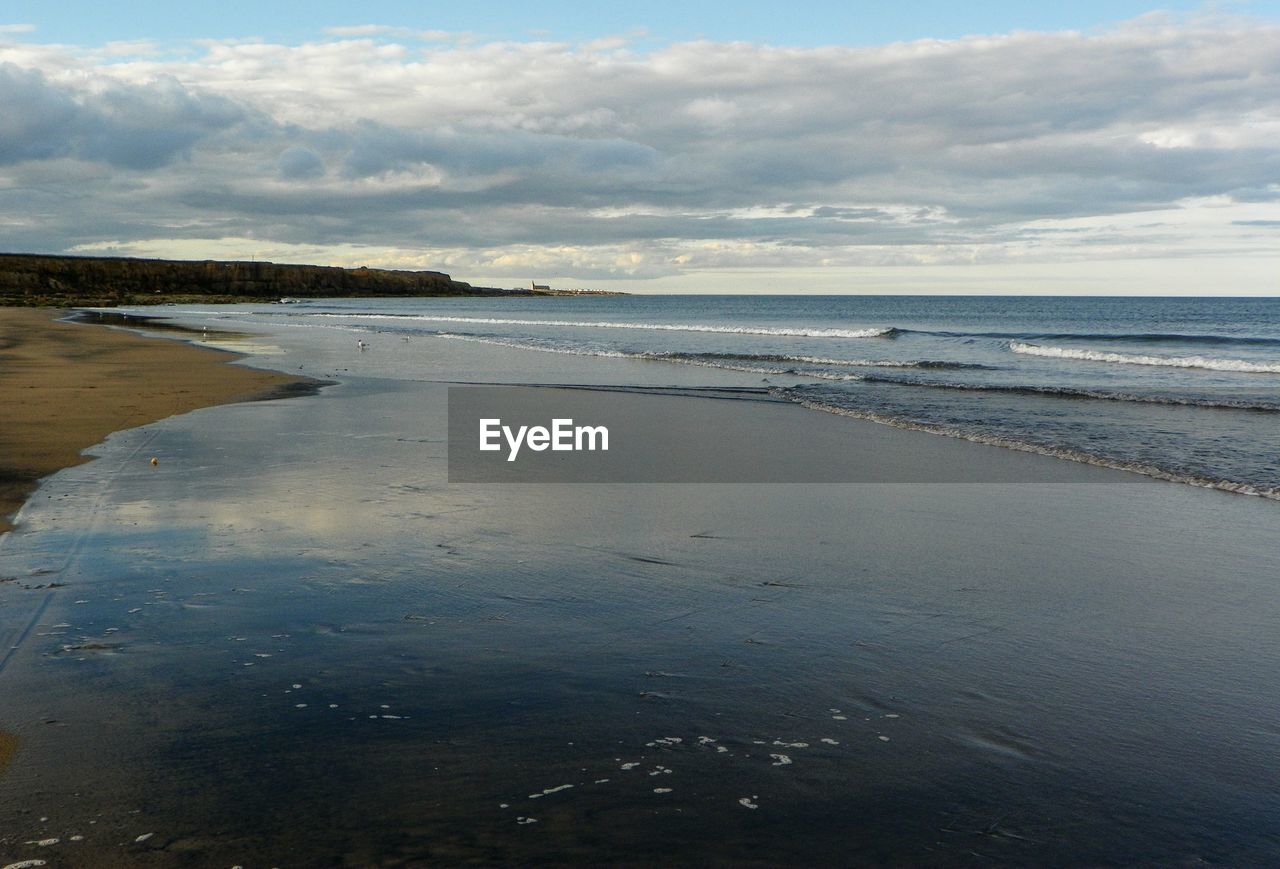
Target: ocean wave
(876,332)
(682,359)
(1059,452)
(731,361)
(1203,362)
(782,364)
(526,345)
(1081,392)
(1124,337)
(821,360)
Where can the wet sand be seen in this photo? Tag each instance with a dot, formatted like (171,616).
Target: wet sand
(66,386)
(8,747)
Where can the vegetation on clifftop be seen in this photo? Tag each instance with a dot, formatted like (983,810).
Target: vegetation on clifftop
(34,279)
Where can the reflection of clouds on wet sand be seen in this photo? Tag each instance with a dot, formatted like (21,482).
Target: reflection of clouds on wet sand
(256,478)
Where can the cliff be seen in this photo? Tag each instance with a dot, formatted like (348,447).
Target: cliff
(33,279)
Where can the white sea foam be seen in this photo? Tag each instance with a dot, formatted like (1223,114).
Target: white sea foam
(878,332)
(1206,362)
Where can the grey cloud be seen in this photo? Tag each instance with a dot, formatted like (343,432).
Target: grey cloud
(520,144)
(34,118)
(146,127)
(1263,193)
(129,126)
(297,163)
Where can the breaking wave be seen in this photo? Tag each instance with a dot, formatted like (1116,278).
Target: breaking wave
(1080,392)
(877,332)
(1206,362)
(1126,337)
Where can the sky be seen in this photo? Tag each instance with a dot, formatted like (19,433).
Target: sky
(1101,148)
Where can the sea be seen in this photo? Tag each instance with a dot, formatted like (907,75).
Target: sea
(1183,389)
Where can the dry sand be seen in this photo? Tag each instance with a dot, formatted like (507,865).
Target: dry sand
(65,386)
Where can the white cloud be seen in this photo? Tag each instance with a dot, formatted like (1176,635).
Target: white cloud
(1157,139)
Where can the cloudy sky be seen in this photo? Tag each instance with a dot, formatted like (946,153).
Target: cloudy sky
(1109,148)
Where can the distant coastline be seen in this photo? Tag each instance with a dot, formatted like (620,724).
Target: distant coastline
(62,281)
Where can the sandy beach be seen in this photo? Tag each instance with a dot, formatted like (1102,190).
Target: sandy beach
(295,643)
(65,387)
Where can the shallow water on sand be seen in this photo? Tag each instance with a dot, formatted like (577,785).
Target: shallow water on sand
(292,643)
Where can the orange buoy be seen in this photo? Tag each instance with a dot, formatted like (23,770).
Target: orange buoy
(154,460)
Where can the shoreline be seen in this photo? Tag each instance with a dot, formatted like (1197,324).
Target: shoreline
(65,387)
